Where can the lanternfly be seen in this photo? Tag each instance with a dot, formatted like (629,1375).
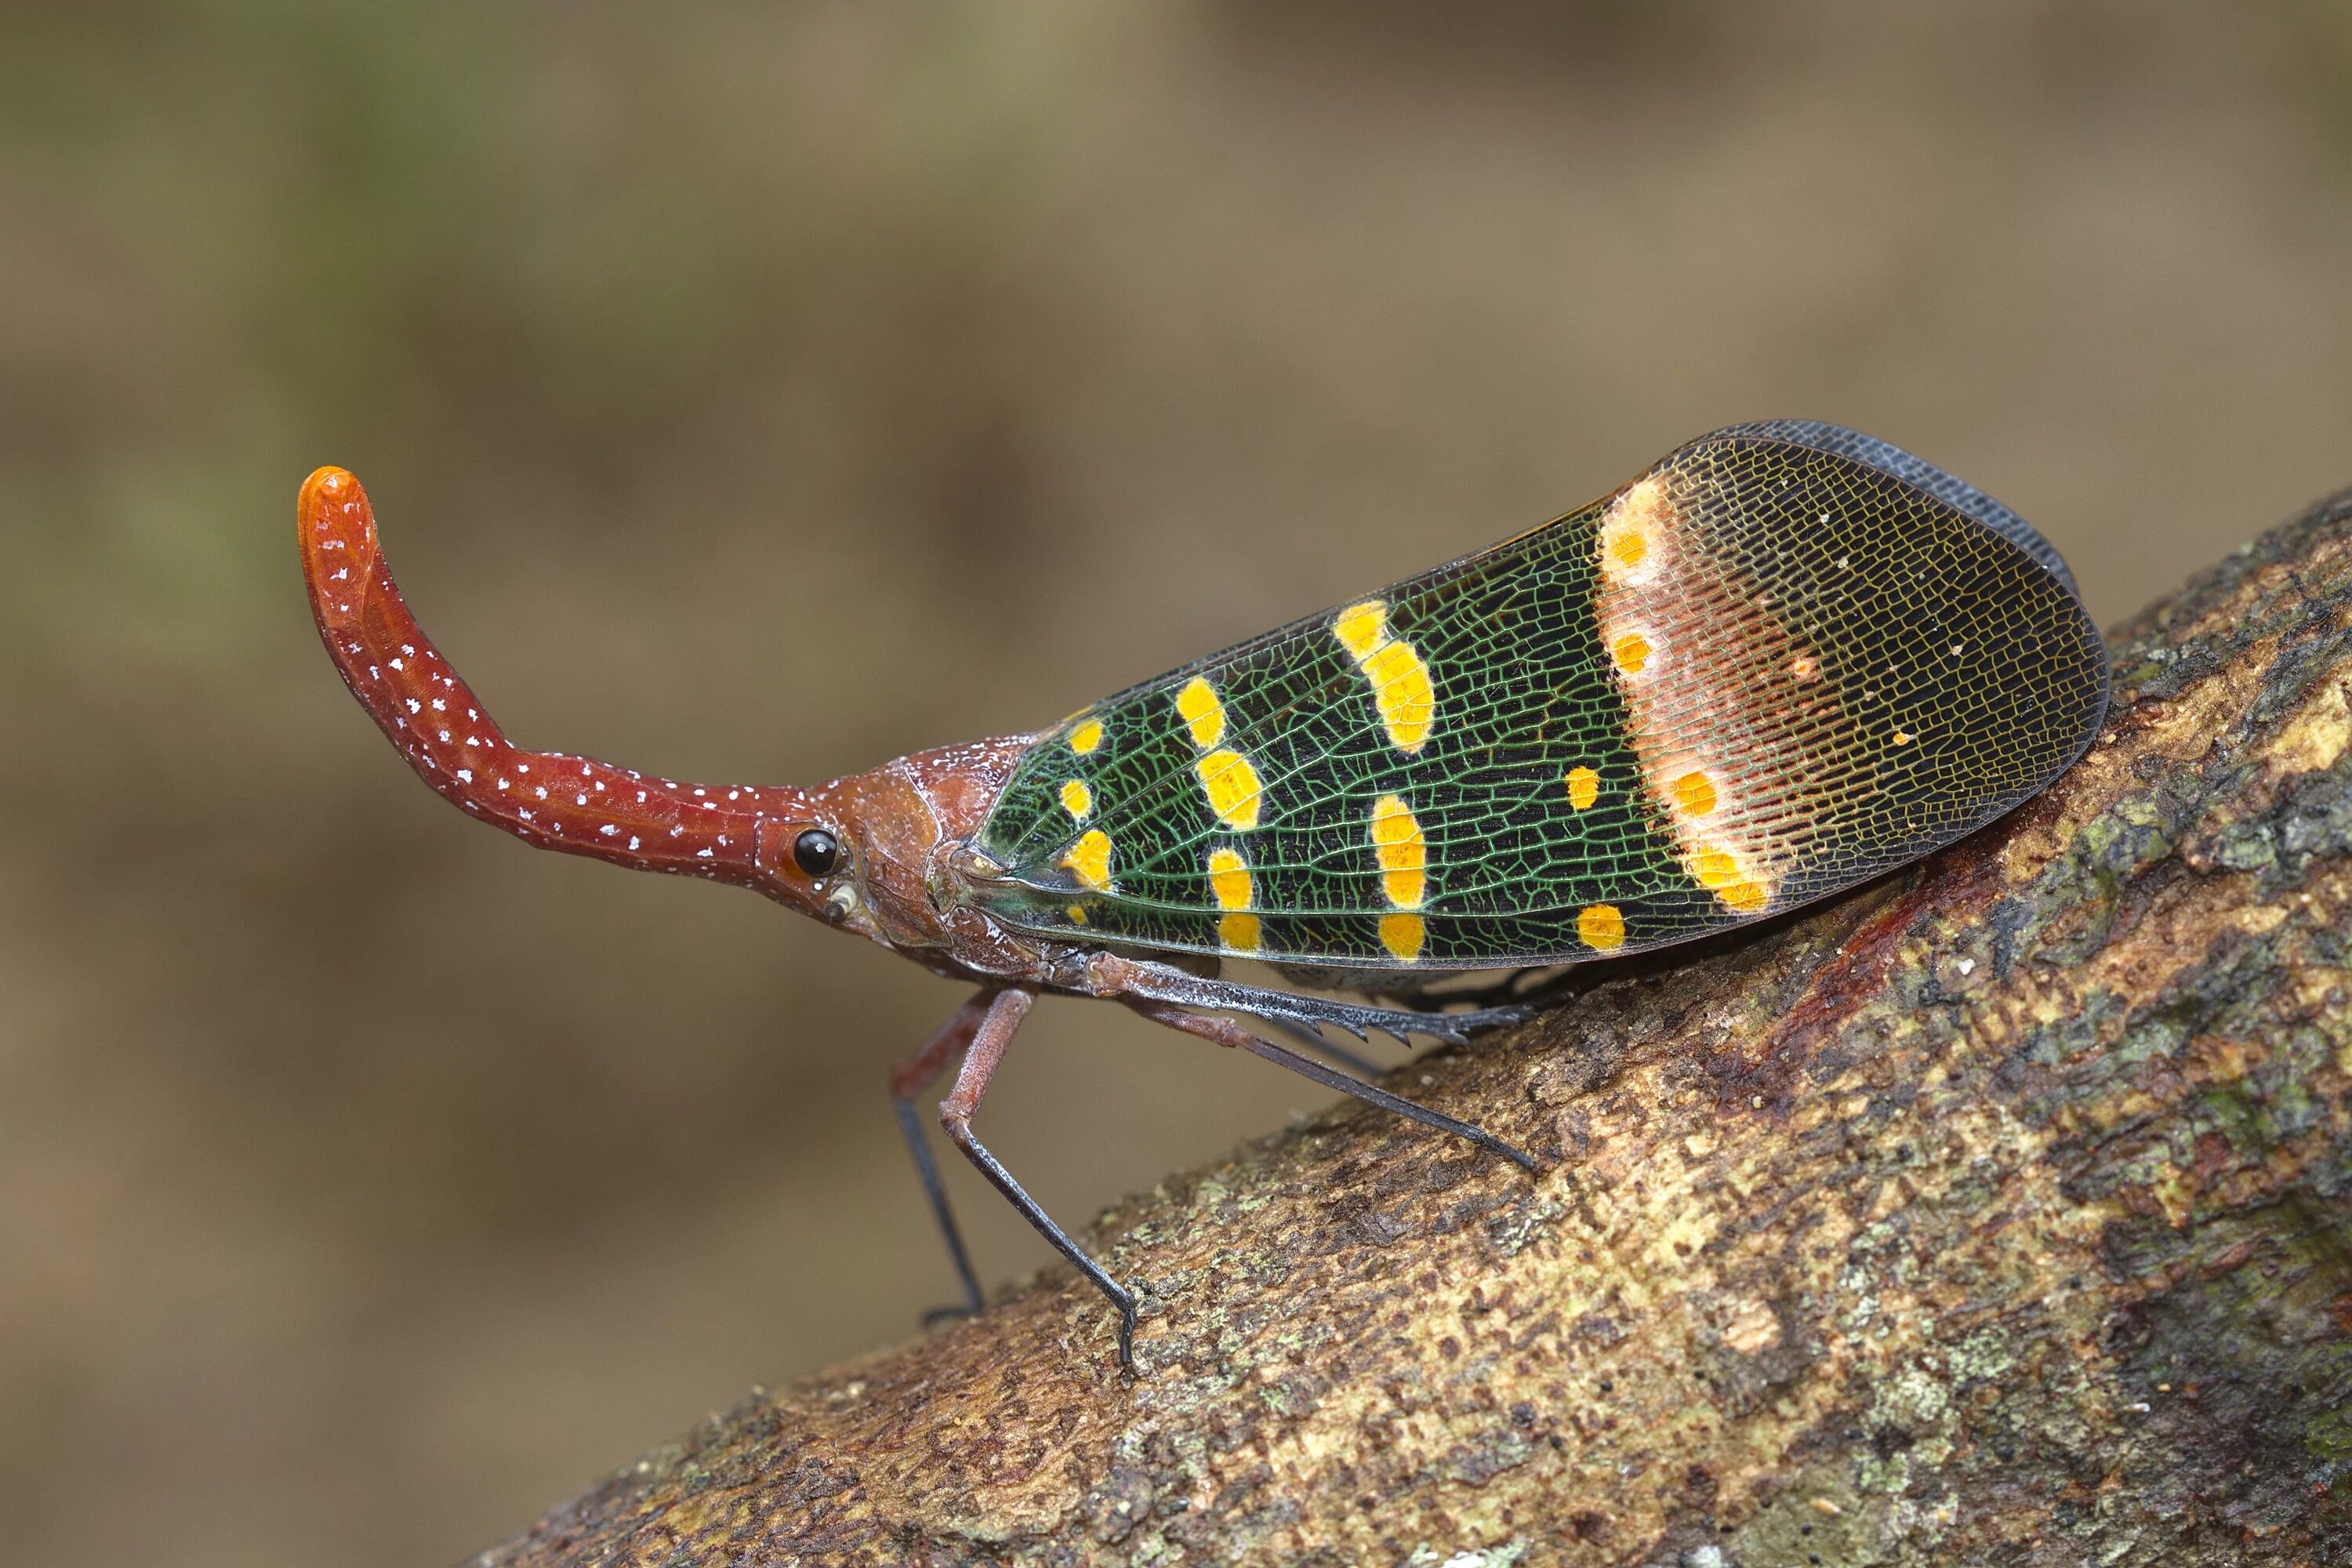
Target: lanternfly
(1786,658)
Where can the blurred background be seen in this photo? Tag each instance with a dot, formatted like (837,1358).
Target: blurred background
(754,392)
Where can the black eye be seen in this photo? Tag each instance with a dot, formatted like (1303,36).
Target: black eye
(816,852)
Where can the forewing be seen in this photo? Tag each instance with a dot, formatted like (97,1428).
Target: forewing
(1777,664)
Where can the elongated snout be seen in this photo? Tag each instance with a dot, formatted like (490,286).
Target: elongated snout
(728,833)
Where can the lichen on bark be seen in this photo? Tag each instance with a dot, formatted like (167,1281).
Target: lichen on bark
(2001,1213)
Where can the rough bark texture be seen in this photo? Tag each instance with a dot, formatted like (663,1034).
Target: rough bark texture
(2001,1214)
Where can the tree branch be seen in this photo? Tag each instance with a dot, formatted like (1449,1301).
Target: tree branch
(2000,1213)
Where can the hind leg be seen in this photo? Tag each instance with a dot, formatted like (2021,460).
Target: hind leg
(1108,974)
(1225,1032)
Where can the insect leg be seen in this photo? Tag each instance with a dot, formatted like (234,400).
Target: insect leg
(1330,1050)
(1005,1012)
(1225,1032)
(909,1079)
(1161,982)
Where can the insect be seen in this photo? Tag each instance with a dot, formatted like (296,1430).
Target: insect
(1783,659)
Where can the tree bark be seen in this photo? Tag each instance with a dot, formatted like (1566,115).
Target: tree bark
(2001,1213)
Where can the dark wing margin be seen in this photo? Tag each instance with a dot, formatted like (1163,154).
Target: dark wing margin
(1891,459)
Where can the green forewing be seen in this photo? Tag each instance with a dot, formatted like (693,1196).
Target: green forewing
(1857,658)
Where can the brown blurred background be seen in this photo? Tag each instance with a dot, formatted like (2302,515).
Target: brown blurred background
(752,394)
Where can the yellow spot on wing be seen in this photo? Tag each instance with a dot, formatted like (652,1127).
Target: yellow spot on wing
(1402,687)
(1233,787)
(1602,927)
(1403,852)
(1361,628)
(1202,712)
(1627,544)
(1583,788)
(1087,736)
(1076,798)
(1090,860)
(1229,878)
(1402,935)
(1694,793)
(1729,878)
(1077,913)
(1630,652)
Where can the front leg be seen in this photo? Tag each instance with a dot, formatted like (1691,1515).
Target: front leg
(909,1079)
(1005,1012)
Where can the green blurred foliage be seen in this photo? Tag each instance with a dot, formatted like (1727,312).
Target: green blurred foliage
(558,232)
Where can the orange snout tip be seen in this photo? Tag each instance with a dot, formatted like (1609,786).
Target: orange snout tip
(328,487)
(331,514)
(336,536)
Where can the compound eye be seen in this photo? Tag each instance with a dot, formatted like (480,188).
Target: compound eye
(817,852)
